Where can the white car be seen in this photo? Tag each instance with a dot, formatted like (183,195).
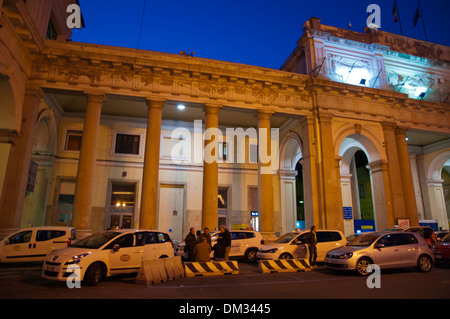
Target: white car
(34,243)
(291,245)
(244,244)
(108,253)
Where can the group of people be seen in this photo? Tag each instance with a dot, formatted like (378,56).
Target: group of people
(199,246)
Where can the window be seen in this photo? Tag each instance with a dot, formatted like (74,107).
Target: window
(223,151)
(323,236)
(250,235)
(43,235)
(73,140)
(127,144)
(123,241)
(20,238)
(139,238)
(406,239)
(162,238)
(335,236)
(362,193)
(223,197)
(388,241)
(150,238)
(238,235)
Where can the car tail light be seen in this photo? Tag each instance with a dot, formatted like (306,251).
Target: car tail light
(69,241)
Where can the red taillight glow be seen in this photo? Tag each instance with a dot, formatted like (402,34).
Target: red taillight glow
(68,241)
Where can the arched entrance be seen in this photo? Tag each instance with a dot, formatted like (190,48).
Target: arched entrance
(438,187)
(362,183)
(290,158)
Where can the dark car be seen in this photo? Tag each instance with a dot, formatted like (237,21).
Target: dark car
(441,250)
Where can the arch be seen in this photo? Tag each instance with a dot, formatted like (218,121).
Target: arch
(46,133)
(435,169)
(290,151)
(8,109)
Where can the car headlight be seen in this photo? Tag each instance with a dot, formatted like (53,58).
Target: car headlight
(270,251)
(76,259)
(345,256)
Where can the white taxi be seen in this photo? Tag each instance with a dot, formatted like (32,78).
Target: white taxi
(291,245)
(106,254)
(35,243)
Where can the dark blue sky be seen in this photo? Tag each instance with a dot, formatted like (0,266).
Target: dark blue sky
(261,33)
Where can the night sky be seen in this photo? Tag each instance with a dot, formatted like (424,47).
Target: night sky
(261,33)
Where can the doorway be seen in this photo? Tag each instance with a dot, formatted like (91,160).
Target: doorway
(122,205)
(171,210)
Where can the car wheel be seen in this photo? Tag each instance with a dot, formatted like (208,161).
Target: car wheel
(424,263)
(285,256)
(250,255)
(94,274)
(362,266)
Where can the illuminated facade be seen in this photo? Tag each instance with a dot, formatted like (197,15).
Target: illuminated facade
(97,125)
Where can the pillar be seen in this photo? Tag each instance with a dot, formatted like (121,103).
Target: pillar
(265,187)
(406,176)
(395,197)
(16,175)
(377,172)
(211,168)
(86,165)
(150,176)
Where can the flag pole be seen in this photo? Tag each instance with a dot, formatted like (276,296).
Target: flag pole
(398,16)
(423,22)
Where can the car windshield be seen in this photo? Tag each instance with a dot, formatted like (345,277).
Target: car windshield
(446,239)
(97,240)
(364,240)
(286,238)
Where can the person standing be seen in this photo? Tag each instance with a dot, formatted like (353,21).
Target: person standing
(226,235)
(311,241)
(206,235)
(202,251)
(191,242)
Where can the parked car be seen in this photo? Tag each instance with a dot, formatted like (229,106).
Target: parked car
(442,250)
(244,244)
(387,250)
(441,234)
(108,253)
(291,245)
(35,243)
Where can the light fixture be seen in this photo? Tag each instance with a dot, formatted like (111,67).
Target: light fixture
(362,82)
(422,95)
(181,107)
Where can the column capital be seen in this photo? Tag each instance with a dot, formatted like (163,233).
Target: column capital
(211,108)
(155,103)
(35,91)
(265,114)
(325,118)
(400,131)
(95,97)
(388,125)
(377,166)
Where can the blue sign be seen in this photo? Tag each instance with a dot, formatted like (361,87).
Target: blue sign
(254,213)
(348,214)
(364,225)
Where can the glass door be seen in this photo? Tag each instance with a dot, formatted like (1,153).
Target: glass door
(122,204)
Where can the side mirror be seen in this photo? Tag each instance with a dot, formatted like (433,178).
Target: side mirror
(379,245)
(298,242)
(116,247)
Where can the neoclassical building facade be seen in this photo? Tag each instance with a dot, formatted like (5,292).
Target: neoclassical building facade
(357,128)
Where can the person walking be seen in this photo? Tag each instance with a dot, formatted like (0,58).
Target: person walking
(311,241)
(202,251)
(191,242)
(226,235)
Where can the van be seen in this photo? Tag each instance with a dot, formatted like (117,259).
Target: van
(35,243)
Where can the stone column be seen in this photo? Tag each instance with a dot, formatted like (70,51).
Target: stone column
(265,187)
(330,176)
(377,183)
(211,168)
(406,176)
(16,175)
(86,165)
(150,175)
(395,197)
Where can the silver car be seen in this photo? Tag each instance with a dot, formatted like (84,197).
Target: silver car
(387,250)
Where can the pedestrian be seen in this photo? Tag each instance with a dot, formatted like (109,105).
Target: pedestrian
(430,237)
(191,242)
(202,251)
(311,241)
(226,235)
(206,235)
(219,249)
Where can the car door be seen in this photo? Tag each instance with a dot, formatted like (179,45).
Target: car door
(237,239)
(409,249)
(324,244)
(48,240)
(299,247)
(151,247)
(18,247)
(388,252)
(128,257)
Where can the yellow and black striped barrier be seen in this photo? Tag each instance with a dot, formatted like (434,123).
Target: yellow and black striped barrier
(283,265)
(211,268)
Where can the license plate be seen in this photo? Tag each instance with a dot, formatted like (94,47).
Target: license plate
(50,268)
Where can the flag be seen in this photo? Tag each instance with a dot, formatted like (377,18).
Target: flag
(416,16)
(395,12)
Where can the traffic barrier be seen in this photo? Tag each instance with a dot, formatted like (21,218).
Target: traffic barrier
(151,272)
(283,265)
(174,267)
(211,268)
